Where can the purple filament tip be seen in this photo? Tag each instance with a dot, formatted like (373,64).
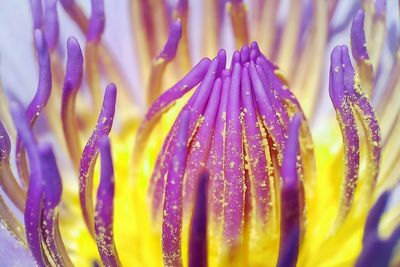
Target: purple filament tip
(170,48)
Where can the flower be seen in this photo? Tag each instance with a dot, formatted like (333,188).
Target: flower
(230,166)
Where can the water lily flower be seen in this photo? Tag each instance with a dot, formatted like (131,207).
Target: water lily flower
(198,161)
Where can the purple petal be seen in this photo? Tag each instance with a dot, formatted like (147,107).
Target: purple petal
(103,222)
(172,215)
(198,226)
(90,152)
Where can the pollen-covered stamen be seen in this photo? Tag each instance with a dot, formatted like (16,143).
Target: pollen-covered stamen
(52,189)
(39,101)
(259,167)
(35,194)
(236,110)
(269,115)
(367,118)
(103,221)
(347,123)
(216,159)
(90,153)
(7,180)
(162,60)
(234,165)
(196,106)
(172,210)
(72,83)
(360,53)
(198,226)
(290,198)
(377,251)
(291,105)
(277,103)
(200,145)
(5,144)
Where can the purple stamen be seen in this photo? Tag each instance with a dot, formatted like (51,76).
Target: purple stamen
(236,133)
(7,180)
(290,198)
(90,153)
(72,83)
(272,94)
(254,141)
(164,101)
(96,21)
(269,115)
(37,13)
(358,42)
(374,217)
(380,8)
(5,144)
(39,101)
(11,188)
(52,189)
(347,123)
(377,251)
(216,158)
(233,169)
(172,215)
(367,117)
(196,106)
(103,222)
(201,143)
(51,26)
(35,195)
(198,227)
(171,46)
